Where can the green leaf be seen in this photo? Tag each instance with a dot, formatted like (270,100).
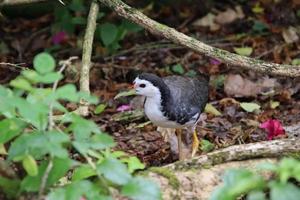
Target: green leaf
(83,172)
(206,146)
(256,195)
(258,9)
(67,92)
(9,186)
(125,94)
(243,51)
(287,168)
(133,164)
(237,182)
(83,128)
(296,61)
(139,188)
(280,191)
(10,128)
(101,141)
(79,20)
(2,149)
(30,166)
(108,33)
(113,170)
(250,107)
(59,169)
(274,104)
(43,63)
(100,108)
(21,83)
(77,190)
(209,108)
(178,69)
(50,77)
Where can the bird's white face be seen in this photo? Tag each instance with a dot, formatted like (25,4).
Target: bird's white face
(145,88)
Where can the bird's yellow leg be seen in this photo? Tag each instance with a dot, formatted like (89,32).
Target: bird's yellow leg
(179,140)
(195,144)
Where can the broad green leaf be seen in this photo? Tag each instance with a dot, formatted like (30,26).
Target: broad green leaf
(133,164)
(130,26)
(50,77)
(10,128)
(243,51)
(286,168)
(178,69)
(79,20)
(31,75)
(108,33)
(296,61)
(83,128)
(43,63)
(113,170)
(256,195)
(77,190)
(191,73)
(83,172)
(125,94)
(250,107)
(237,182)
(59,169)
(280,191)
(206,146)
(209,108)
(100,108)
(101,141)
(30,166)
(21,83)
(139,188)
(67,92)
(9,186)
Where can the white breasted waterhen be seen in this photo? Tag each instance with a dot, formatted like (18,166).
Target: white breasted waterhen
(174,102)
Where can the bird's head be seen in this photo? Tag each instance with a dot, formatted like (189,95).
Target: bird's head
(148,85)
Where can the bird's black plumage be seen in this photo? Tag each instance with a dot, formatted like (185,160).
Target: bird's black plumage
(182,98)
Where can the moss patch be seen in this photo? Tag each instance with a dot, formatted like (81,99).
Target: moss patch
(173,181)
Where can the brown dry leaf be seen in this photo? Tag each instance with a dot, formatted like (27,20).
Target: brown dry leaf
(290,35)
(230,15)
(236,85)
(207,21)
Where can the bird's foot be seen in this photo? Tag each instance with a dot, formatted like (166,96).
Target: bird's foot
(195,144)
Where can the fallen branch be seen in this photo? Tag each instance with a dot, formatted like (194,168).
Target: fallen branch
(136,16)
(198,177)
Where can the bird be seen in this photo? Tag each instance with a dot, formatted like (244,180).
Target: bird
(174,102)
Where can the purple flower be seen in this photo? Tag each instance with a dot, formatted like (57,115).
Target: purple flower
(59,37)
(214,61)
(123,108)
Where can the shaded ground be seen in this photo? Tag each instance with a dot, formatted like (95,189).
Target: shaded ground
(268,28)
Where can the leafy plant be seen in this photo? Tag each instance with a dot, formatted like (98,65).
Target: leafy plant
(42,148)
(243,182)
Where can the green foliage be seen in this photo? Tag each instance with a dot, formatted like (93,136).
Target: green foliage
(242,182)
(73,17)
(42,148)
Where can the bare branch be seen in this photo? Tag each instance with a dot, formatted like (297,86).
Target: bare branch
(154,27)
(86,55)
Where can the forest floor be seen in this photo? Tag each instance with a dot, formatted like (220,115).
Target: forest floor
(259,29)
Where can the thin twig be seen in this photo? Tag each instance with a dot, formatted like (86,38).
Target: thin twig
(64,64)
(44,179)
(86,56)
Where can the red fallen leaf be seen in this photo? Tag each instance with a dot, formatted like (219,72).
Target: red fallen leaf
(59,37)
(273,128)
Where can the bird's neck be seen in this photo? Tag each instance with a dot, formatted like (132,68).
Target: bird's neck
(163,99)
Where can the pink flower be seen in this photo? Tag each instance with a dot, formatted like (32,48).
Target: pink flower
(273,128)
(214,61)
(123,108)
(59,37)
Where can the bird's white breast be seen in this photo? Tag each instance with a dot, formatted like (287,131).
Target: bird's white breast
(154,113)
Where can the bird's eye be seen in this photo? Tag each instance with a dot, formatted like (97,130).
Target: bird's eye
(142,85)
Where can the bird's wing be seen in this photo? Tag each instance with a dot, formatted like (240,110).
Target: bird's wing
(189,97)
